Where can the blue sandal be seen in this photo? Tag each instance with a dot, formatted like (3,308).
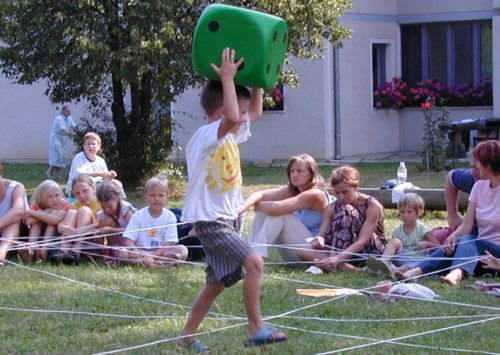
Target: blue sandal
(197,346)
(265,335)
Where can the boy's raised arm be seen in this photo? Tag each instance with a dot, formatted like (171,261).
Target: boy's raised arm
(255,110)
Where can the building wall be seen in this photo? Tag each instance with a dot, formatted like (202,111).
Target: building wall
(306,125)
(443,8)
(364,129)
(300,128)
(27,116)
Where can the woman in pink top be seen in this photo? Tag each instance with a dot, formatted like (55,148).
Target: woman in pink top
(484,207)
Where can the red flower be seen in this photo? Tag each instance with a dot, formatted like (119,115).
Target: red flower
(426,105)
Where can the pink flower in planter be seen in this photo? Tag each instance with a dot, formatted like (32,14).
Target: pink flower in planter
(426,105)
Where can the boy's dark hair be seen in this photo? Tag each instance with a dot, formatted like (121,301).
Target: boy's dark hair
(211,95)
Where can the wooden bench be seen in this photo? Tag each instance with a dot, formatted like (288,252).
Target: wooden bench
(434,198)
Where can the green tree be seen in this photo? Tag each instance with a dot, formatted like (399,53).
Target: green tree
(100,50)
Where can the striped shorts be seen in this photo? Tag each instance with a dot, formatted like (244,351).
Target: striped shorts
(225,251)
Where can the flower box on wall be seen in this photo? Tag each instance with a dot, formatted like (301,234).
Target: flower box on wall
(274,99)
(398,94)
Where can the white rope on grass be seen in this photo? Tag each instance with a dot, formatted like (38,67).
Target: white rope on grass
(166,340)
(111,315)
(365,290)
(108,289)
(368,290)
(387,320)
(264,319)
(411,345)
(176,338)
(287,312)
(235,318)
(411,336)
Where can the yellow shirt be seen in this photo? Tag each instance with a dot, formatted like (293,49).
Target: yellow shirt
(94,206)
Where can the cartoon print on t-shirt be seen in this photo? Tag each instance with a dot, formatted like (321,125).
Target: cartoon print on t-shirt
(224,168)
(154,235)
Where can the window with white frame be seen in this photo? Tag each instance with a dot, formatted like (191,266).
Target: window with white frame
(452,53)
(379,64)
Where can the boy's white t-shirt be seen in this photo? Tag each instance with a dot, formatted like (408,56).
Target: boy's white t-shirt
(214,174)
(81,165)
(148,232)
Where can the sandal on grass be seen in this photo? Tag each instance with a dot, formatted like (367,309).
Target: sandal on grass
(380,266)
(266,335)
(197,346)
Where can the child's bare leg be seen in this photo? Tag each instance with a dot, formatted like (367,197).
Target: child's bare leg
(9,234)
(84,217)
(172,256)
(313,254)
(251,295)
(50,234)
(348,267)
(67,229)
(113,241)
(403,268)
(251,291)
(392,247)
(26,254)
(201,307)
(409,274)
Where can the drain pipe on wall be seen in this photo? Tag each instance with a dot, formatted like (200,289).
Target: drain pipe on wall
(336,94)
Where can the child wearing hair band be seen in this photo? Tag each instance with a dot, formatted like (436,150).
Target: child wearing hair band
(410,240)
(114,215)
(151,235)
(81,219)
(48,208)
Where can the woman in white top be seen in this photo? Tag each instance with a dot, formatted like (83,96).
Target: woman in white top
(288,215)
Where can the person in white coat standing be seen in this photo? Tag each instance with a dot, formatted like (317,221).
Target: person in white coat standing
(62,130)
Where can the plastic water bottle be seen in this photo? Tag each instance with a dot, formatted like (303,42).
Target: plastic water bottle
(402,173)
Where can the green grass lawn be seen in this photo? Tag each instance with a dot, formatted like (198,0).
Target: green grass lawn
(94,308)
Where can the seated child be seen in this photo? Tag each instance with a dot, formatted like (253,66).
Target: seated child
(410,240)
(114,216)
(79,221)
(91,164)
(47,210)
(151,235)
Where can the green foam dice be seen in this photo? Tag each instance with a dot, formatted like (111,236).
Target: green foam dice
(261,39)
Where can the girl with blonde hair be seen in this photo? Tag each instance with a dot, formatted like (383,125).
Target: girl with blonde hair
(47,210)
